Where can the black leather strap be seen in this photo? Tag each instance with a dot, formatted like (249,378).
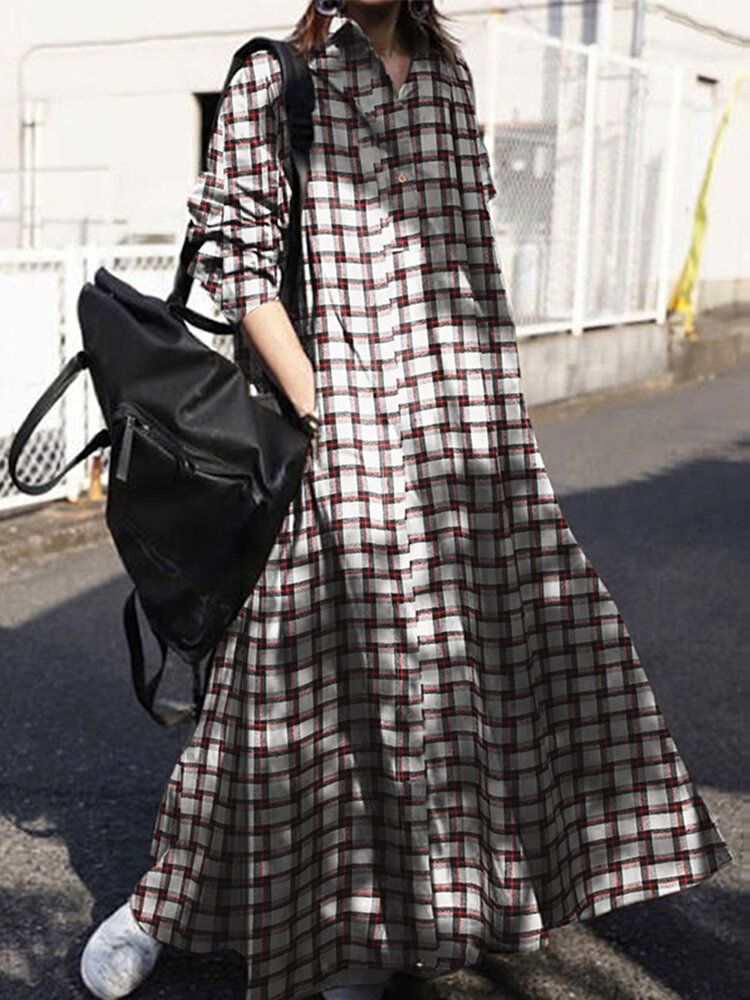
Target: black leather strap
(299,101)
(202,322)
(38,412)
(172,713)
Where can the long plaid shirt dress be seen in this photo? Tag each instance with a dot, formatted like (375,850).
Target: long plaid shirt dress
(428,732)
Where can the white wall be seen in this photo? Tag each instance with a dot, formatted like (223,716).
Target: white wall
(120,119)
(120,123)
(725,264)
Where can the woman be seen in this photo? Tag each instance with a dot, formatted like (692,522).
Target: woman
(428,732)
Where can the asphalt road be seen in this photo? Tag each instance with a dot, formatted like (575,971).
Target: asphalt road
(654,487)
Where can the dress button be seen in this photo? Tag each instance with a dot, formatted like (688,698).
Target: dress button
(402,177)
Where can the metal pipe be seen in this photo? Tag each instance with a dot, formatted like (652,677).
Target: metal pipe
(638,37)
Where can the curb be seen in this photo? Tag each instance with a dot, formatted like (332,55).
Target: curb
(56,527)
(720,348)
(716,350)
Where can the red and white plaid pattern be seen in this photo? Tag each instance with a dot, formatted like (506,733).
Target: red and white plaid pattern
(428,733)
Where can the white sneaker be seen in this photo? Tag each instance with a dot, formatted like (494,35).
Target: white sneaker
(118,956)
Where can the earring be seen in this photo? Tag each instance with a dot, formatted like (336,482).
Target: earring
(329,7)
(420,9)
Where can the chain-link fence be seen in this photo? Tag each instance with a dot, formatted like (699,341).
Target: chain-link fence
(39,293)
(583,150)
(36,332)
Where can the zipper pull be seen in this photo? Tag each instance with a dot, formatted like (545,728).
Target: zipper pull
(183,466)
(123,462)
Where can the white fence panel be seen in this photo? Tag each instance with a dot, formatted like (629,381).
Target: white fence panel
(583,150)
(39,293)
(32,296)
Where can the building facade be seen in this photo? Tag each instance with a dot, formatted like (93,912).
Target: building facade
(103,109)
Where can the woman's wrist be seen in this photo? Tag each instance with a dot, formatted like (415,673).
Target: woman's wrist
(307,407)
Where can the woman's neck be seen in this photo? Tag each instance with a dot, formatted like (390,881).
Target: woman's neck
(379,21)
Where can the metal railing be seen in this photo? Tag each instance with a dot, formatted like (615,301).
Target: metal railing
(583,147)
(39,293)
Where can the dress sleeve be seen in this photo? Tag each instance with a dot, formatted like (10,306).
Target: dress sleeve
(243,196)
(477,141)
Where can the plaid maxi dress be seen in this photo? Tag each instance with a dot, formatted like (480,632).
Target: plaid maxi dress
(428,733)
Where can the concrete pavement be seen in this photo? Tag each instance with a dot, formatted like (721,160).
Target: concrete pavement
(655,487)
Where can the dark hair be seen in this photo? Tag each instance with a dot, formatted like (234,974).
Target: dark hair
(311,30)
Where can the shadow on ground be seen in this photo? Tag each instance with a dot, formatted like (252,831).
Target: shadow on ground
(83,767)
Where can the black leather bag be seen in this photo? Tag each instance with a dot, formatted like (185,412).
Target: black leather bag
(201,473)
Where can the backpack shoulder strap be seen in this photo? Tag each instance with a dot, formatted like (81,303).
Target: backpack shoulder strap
(166,713)
(298,94)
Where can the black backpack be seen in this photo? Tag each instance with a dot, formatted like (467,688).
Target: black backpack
(201,472)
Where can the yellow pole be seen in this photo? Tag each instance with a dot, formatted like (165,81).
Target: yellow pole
(683,295)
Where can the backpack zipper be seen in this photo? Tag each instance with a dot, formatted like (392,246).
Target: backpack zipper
(183,461)
(126,448)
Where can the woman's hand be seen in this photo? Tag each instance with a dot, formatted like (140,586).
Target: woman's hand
(271,333)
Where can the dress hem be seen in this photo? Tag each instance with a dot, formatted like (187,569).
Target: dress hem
(721,858)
